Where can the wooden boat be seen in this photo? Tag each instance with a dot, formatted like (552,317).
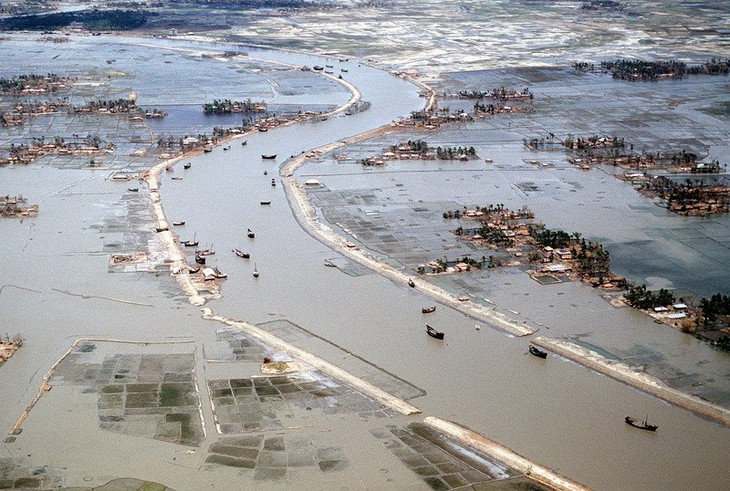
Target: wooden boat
(330,66)
(255,271)
(191,243)
(266,173)
(242,254)
(188,165)
(263,129)
(132,190)
(176,178)
(268,157)
(199,259)
(227,148)
(411,283)
(642,425)
(273,182)
(244,143)
(177,224)
(206,252)
(434,333)
(534,350)
(250,234)
(219,274)
(194,269)
(343,70)
(317,68)
(265,202)
(161,229)
(329,263)
(428,310)
(208,149)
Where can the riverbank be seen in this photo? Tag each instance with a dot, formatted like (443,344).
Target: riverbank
(627,375)
(536,472)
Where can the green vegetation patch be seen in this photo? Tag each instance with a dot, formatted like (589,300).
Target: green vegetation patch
(93,20)
(112,389)
(176,395)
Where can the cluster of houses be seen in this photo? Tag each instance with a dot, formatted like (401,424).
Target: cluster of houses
(14,206)
(29,154)
(9,346)
(674,312)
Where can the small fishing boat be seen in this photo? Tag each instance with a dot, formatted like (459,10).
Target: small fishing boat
(329,263)
(268,157)
(343,70)
(329,66)
(242,254)
(428,310)
(218,273)
(255,271)
(411,283)
(434,333)
(273,182)
(265,202)
(193,269)
(178,224)
(132,190)
(176,178)
(534,350)
(250,234)
(188,165)
(199,259)
(263,129)
(206,252)
(191,243)
(244,143)
(642,425)
(208,149)
(161,229)
(266,173)
(318,68)
(227,148)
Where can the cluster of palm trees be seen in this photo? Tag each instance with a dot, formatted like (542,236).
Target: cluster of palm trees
(227,106)
(120,105)
(450,153)
(686,195)
(642,298)
(626,69)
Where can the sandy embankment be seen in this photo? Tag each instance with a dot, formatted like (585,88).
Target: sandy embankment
(326,367)
(624,373)
(500,453)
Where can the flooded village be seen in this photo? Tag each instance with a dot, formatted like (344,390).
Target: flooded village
(225,269)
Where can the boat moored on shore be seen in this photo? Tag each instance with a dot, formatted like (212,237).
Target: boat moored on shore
(534,350)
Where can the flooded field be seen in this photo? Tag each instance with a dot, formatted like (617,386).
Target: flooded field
(154,391)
